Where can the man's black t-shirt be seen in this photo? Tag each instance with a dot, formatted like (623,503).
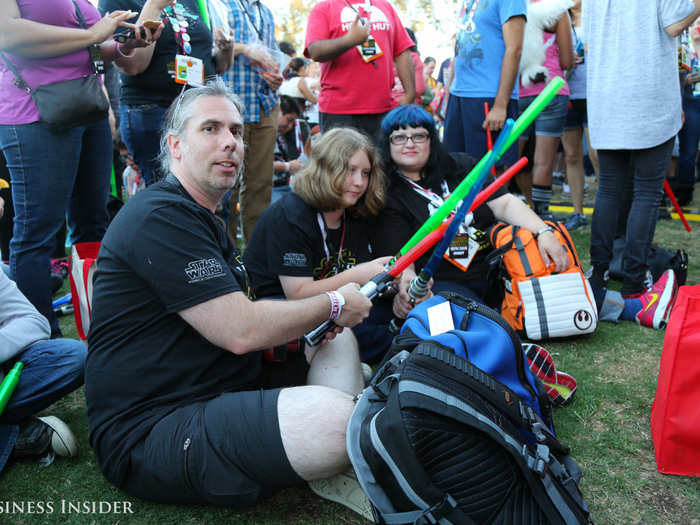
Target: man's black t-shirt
(289,240)
(156,85)
(406,210)
(162,254)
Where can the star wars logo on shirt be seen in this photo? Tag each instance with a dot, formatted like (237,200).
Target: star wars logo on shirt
(203,269)
(338,263)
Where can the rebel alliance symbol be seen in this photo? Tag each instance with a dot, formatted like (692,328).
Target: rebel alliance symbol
(583,320)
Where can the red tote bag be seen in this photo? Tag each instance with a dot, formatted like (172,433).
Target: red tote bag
(675,414)
(82,270)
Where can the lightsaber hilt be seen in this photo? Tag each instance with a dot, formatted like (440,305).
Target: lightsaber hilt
(419,287)
(378,285)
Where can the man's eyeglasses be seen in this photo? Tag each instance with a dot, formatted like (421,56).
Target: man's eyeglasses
(401,138)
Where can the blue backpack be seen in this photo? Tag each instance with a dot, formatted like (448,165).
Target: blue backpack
(485,339)
(454,429)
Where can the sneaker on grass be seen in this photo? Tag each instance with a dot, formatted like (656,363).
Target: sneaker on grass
(576,221)
(45,435)
(344,488)
(657,301)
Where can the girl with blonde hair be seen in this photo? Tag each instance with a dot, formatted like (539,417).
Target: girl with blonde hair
(317,238)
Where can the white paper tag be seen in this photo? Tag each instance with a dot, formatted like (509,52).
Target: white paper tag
(440,318)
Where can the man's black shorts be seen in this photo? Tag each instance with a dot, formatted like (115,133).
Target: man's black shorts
(224,451)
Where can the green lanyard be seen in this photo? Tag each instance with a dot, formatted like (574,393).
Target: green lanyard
(204,12)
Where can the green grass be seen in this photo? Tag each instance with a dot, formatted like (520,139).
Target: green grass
(606,426)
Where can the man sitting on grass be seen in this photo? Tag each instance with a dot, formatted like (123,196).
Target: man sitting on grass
(182,406)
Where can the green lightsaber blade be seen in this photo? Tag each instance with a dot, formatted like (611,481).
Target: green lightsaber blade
(523,122)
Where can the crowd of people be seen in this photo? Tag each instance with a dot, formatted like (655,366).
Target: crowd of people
(265,188)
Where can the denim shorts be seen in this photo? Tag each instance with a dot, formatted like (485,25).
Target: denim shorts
(550,122)
(577,117)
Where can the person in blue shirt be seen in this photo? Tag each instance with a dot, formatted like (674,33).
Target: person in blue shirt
(489,42)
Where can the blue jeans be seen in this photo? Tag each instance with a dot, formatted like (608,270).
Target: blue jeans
(647,169)
(688,139)
(141,128)
(53,174)
(51,370)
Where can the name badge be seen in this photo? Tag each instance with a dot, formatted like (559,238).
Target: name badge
(463,249)
(189,70)
(369,50)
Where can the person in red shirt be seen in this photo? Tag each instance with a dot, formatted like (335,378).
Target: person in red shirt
(358,44)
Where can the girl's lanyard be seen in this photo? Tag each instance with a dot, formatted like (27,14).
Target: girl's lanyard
(324,236)
(463,247)
(469,26)
(251,21)
(299,138)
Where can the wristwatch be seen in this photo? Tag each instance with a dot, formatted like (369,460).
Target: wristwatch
(543,230)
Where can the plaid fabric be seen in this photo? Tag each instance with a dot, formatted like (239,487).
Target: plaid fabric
(251,21)
(560,386)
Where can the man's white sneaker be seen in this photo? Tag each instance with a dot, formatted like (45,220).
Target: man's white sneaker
(344,488)
(63,441)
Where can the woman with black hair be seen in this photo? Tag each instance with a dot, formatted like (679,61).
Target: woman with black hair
(421,175)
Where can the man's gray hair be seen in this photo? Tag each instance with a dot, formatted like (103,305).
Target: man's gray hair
(181,111)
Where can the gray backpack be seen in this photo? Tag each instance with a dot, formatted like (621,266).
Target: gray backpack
(434,439)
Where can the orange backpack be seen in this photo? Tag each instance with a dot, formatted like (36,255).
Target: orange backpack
(540,303)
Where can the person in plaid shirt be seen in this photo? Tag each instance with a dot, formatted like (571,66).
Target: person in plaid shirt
(255,78)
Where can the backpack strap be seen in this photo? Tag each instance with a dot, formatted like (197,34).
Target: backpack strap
(514,242)
(567,238)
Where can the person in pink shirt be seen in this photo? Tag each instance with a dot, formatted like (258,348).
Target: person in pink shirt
(549,125)
(54,174)
(398,91)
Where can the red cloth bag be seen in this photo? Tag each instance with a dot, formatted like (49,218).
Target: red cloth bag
(675,413)
(82,270)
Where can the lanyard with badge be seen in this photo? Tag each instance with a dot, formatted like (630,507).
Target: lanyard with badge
(466,21)
(188,69)
(465,244)
(324,236)
(369,49)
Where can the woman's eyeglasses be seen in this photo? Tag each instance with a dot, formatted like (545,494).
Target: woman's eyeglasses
(401,138)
